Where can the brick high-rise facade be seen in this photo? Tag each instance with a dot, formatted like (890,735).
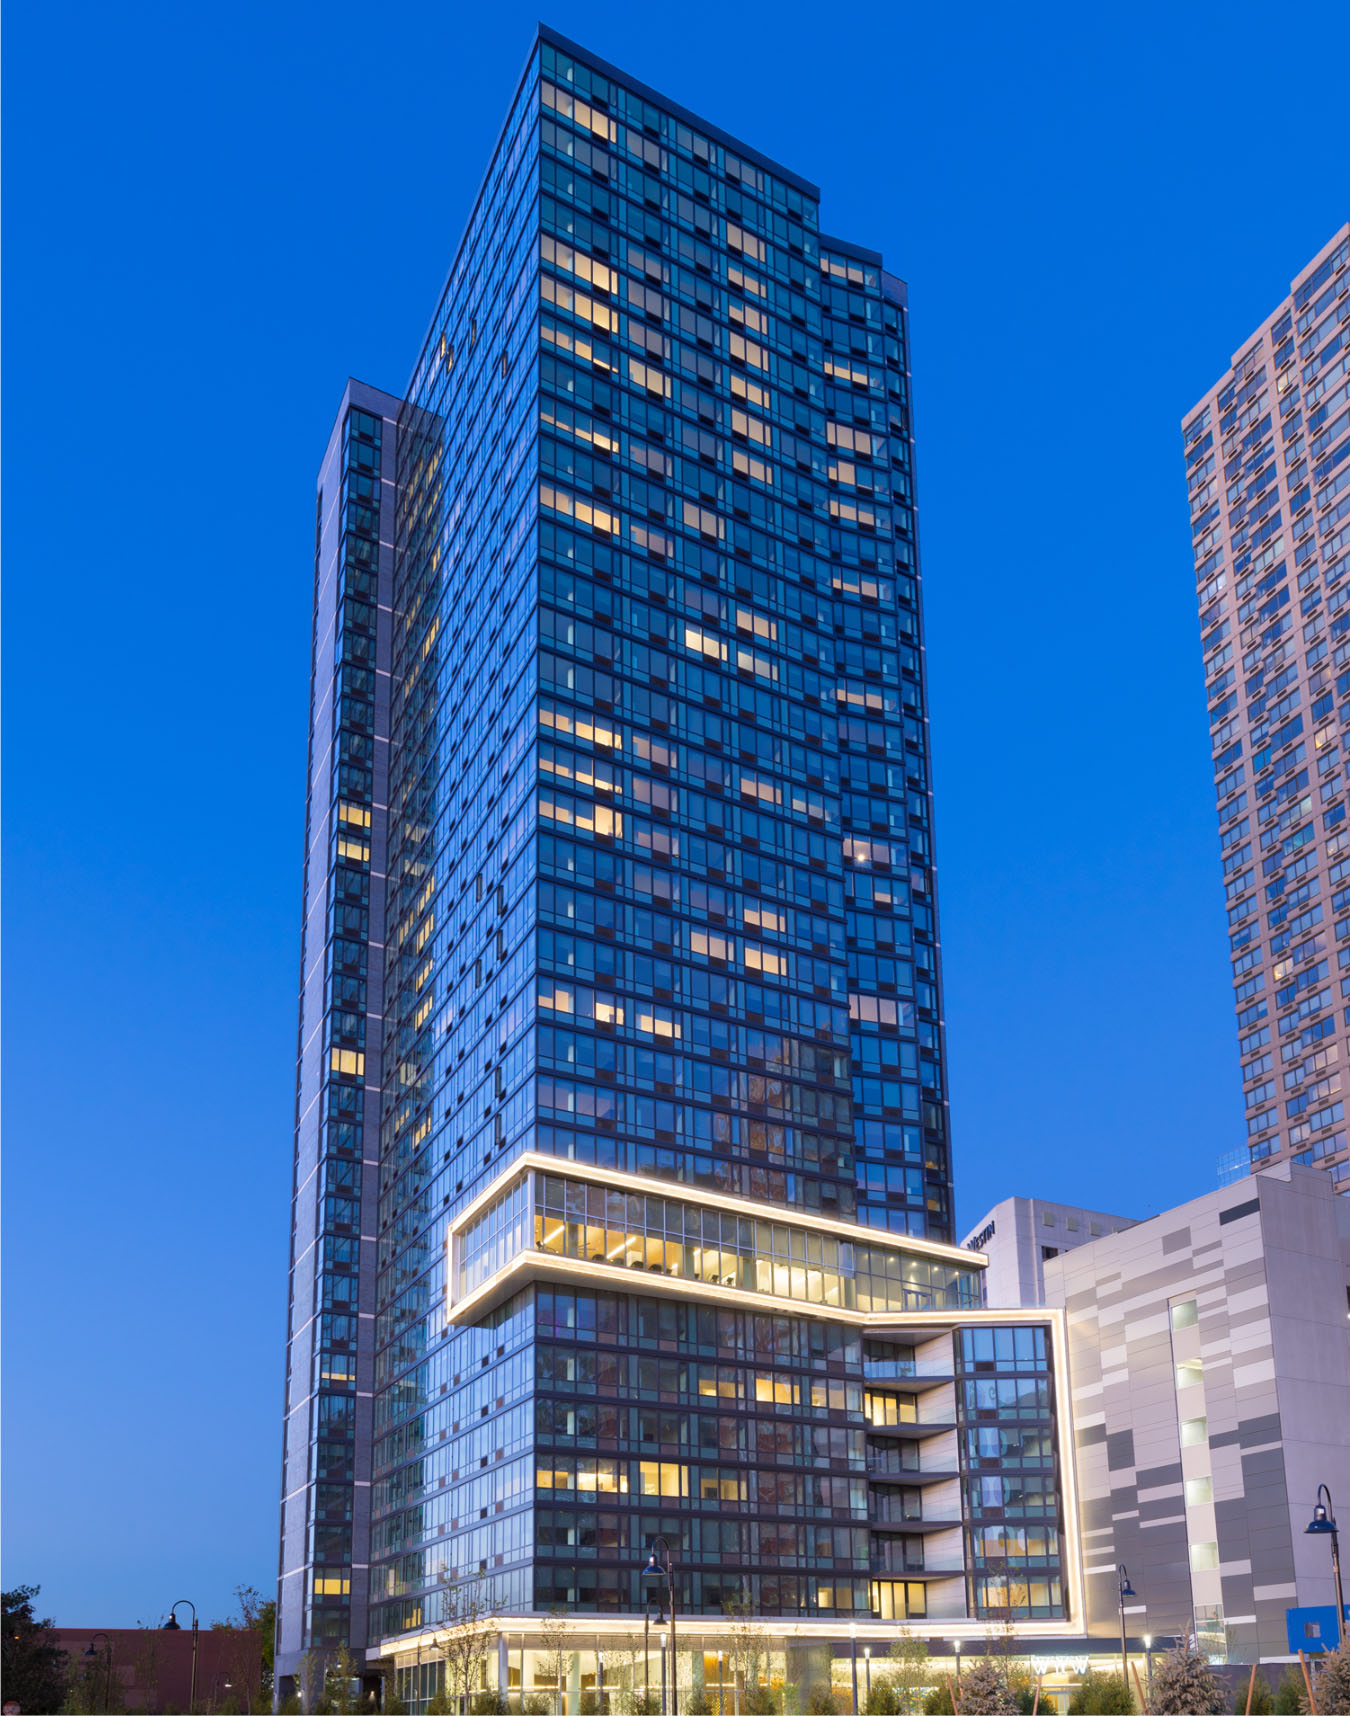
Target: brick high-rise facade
(1268,469)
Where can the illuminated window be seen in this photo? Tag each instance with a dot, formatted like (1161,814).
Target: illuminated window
(1194,1432)
(710,946)
(659,1478)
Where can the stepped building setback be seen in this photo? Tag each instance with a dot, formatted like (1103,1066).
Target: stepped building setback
(623,1201)
(622,1228)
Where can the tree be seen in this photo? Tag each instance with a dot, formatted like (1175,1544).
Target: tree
(912,1673)
(465,1633)
(255,1629)
(1184,1684)
(985,1691)
(745,1651)
(556,1653)
(1331,1684)
(342,1684)
(33,1665)
(393,1702)
(93,1688)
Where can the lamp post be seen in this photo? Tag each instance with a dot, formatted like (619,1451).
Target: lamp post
(107,1665)
(652,1576)
(1148,1659)
(1126,1590)
(853,1661)
(422,1632)
(172,1626)
(1323,1524)
(721,1693)
(867,1671)
(956,1647)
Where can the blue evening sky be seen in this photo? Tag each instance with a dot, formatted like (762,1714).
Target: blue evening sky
(214,215)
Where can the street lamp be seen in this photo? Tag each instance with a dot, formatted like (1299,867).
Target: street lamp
(172,1626)
(430,1627)
(1324,1525)
(1148,1659)
(651,1577)
(867,1670)
(853,1661)
(1126,1590)
(107,1665)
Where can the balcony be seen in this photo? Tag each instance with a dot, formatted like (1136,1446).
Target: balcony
(910,1430)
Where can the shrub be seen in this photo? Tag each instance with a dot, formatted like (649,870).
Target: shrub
(1101,1695)
(883,1699)
(1289,1693)
(985,1691)
(821,1701)
(1263,1699)
(939,1700)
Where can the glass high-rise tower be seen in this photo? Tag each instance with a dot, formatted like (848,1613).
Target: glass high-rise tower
(1268,471)
(623,1191)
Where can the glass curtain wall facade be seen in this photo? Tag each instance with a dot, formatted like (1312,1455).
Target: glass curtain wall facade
(1268,472)
(323,1572)
(661,898)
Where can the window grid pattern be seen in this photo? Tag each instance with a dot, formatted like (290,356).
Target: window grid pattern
(659,797)
(1006,1430)
(1268,473)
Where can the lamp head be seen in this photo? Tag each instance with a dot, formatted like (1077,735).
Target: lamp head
(171,1625)
(652,1578)
(1127,1590)
(1321,1522)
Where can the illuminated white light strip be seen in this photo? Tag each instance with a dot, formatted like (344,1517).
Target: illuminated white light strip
(562,1167)
(616,1279)
(869,1629)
